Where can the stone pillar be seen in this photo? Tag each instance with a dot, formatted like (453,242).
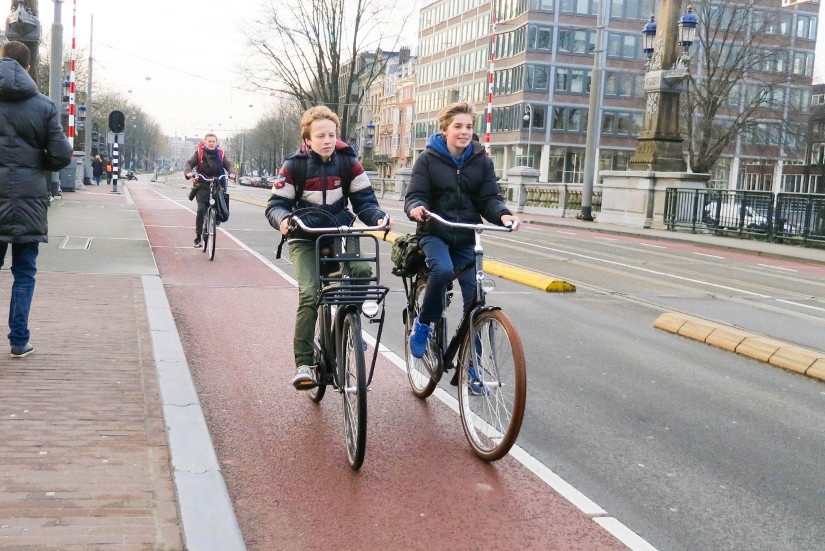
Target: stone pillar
(637,198)
(519,177)
(402,182)
(659,146)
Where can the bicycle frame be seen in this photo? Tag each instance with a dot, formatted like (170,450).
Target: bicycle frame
(451,348)
(341,292)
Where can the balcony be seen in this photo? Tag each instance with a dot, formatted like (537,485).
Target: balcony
(382,159)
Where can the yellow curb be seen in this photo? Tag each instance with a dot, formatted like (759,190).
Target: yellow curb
(726,338)
(670,322)
(817,370)
(758,348)
(793,359)
(774,352)
(524,276)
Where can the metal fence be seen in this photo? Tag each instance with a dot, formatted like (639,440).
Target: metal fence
(793,217)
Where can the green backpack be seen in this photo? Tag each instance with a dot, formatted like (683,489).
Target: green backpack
(407,256)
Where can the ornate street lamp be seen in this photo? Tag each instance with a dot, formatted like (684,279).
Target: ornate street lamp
(659,145)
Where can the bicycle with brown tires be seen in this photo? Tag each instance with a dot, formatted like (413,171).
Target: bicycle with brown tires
(485,351)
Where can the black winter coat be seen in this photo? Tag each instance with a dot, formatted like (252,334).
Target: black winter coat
(32,144)
(458,195)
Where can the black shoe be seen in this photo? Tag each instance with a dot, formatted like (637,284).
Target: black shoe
(197,242)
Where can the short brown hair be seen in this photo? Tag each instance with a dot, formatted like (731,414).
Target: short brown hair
(318,113)
(446,116)
(16,51)
(210,134)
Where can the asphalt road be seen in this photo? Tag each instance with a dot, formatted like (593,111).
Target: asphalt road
(689,446)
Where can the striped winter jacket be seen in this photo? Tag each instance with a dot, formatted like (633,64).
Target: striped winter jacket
(323,189)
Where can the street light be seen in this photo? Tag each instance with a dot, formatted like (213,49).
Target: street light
(528,118)
(659,145)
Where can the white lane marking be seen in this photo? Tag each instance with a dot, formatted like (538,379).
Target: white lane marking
(566,232)
(638,268)
(604,238)
(554,481)
(558,484)
(777,267)
(624,534)
(709,255)
(800,304)
(652,245)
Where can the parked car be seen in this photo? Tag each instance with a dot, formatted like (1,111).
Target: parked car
(727,215)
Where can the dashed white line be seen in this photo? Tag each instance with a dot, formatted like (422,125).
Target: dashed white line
(604,238)
(654,246)
(709,255)
(777,267)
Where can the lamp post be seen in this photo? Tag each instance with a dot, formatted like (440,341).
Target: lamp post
(659,145)
(528,118)
(370,143)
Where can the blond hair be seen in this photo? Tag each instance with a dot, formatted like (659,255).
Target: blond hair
(446,116)
(210,134)
(318,113)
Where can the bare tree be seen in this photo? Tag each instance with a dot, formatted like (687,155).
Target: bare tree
(741,84)
(315,51)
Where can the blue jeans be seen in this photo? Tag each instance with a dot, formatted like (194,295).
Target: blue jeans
(23,268)
(443,260)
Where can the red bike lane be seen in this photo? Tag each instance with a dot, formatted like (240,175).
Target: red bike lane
(283,457)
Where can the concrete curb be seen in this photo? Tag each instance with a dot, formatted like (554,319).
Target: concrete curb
(545,282)
(791,357)
(207,515)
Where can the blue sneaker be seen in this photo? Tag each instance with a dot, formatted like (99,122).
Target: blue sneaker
(476,387)
(419,338)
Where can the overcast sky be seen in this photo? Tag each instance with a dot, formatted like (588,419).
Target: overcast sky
(179,58)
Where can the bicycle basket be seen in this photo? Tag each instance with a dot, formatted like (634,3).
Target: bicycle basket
(407,256)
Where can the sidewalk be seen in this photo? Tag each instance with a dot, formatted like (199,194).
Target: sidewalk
(85,453)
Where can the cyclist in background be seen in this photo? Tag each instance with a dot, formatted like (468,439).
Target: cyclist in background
(325,188)
(209,160)
(454,178)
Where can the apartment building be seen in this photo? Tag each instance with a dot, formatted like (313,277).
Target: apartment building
(543,52)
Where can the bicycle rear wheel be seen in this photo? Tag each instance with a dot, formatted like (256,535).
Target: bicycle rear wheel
(423,373)
(212,231)
(492,385)
(353,381)
(316,393)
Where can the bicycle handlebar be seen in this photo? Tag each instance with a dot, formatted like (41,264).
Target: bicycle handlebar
(384,224)
(510,226)
(198,176)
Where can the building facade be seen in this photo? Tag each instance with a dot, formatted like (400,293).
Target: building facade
(543,57)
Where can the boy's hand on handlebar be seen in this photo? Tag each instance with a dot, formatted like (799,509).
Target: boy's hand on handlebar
(510,221)
(187,175)
(419,214)
(285,225)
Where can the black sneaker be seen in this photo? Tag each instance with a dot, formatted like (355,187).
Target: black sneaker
(197,242)
(21,351)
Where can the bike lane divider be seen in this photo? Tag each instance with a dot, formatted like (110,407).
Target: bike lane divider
(538,280)
(283,457)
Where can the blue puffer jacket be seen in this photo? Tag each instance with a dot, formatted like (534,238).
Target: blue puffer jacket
(31,143)
(323,189)
(462,193)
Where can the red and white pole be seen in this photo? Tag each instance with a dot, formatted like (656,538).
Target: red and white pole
(72,75)
(490,79)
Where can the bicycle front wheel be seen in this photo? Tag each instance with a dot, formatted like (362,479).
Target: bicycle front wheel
(423,373)
(492,385)
(353,381)
(212,231)
(316,393)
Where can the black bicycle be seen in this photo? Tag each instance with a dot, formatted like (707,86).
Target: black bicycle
(346,295)
(486,349)
(210,221)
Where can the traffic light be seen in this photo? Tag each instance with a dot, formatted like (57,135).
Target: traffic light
(117,121)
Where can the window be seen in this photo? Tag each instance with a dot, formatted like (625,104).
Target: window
(575,81)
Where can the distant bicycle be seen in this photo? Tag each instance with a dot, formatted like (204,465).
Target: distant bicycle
(486,351)
(210,222)
(342,301)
